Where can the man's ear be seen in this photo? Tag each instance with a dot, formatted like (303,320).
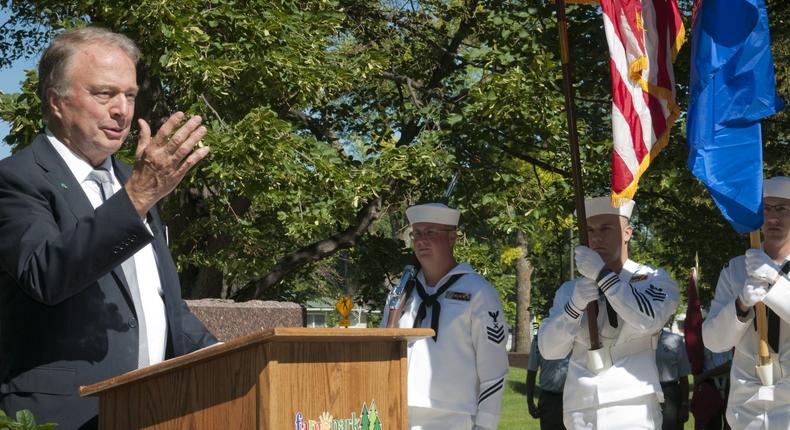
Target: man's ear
(628,231)
(453,236)
(55,103)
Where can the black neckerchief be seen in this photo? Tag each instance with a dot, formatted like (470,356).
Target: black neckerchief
(432,301)
(773,318)
(610,312)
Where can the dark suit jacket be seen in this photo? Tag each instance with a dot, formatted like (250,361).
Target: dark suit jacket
(66,314)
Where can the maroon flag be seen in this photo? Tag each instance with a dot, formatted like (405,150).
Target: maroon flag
(693,327)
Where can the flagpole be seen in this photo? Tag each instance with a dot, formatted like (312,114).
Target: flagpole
(760,314)
(573,140)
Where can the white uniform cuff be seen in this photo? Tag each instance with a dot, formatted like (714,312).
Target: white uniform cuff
(731,313)
(572,311)
(609,280)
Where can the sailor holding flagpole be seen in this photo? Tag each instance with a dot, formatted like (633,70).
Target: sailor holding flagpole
(761,275)
(616,386)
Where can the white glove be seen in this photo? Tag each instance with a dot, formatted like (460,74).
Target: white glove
(754,291)
(585,291)
(588,262)
(759,265)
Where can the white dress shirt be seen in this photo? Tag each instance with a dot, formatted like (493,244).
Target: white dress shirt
(146,269)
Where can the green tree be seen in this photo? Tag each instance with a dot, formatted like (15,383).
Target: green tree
(353,110)
(328,118)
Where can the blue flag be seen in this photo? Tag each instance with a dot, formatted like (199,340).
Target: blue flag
(732,88)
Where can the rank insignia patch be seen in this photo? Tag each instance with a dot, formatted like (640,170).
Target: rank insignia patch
(457,295)
(494,330)
(655,293)
(637,278)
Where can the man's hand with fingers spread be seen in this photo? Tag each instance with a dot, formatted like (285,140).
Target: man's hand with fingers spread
(162,161)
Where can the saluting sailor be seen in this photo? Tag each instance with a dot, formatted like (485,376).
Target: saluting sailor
(634,302)
(456,378)
(759,276)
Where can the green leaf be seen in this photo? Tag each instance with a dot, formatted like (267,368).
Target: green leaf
(26,420)
(455,118)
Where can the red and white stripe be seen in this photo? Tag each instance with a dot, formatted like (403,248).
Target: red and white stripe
(643,38)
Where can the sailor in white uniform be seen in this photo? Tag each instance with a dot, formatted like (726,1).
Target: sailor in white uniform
(455,379)
(618,387)
(759,276)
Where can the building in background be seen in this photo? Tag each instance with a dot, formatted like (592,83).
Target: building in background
(322,313)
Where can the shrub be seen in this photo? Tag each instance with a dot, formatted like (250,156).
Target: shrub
(24,421)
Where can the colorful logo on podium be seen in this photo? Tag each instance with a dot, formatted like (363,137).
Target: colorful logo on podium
(368,419)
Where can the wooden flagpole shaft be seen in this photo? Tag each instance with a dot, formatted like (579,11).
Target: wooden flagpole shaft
(760,313)
(573,140)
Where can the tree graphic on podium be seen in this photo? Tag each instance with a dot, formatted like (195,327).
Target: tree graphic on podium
(375,424)
(363,419)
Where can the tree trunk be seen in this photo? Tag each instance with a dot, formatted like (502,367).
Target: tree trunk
(524,270)
(201,282)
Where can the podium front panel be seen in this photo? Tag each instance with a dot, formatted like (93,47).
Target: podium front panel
(289,378)
(344,385)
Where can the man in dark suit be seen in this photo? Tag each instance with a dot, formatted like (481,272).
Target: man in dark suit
(88,289)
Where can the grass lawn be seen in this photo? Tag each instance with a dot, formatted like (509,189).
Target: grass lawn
(514,404)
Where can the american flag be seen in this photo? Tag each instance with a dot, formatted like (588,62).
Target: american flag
(644,38)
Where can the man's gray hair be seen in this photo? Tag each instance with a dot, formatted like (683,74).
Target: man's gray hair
(54,64)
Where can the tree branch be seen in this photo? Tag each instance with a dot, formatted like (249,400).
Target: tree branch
(320,131)
(531,160)
(216,114)
(447,61)
(446,67)
(314,252)
(408,82)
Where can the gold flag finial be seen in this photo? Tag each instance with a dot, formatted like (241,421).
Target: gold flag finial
(344,306)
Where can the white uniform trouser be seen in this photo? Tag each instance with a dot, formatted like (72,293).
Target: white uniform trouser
(436,419)
(641,413)
(758,415)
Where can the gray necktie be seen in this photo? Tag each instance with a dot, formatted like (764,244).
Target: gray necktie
(104,179)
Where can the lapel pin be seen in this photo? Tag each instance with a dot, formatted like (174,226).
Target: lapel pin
(65,187)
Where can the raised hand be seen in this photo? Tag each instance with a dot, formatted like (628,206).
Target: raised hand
(162,161)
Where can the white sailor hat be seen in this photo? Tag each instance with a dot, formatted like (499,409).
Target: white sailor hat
(778,186)
(603,206)
(437,213)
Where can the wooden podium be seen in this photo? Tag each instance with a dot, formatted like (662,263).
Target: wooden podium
(278,379)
